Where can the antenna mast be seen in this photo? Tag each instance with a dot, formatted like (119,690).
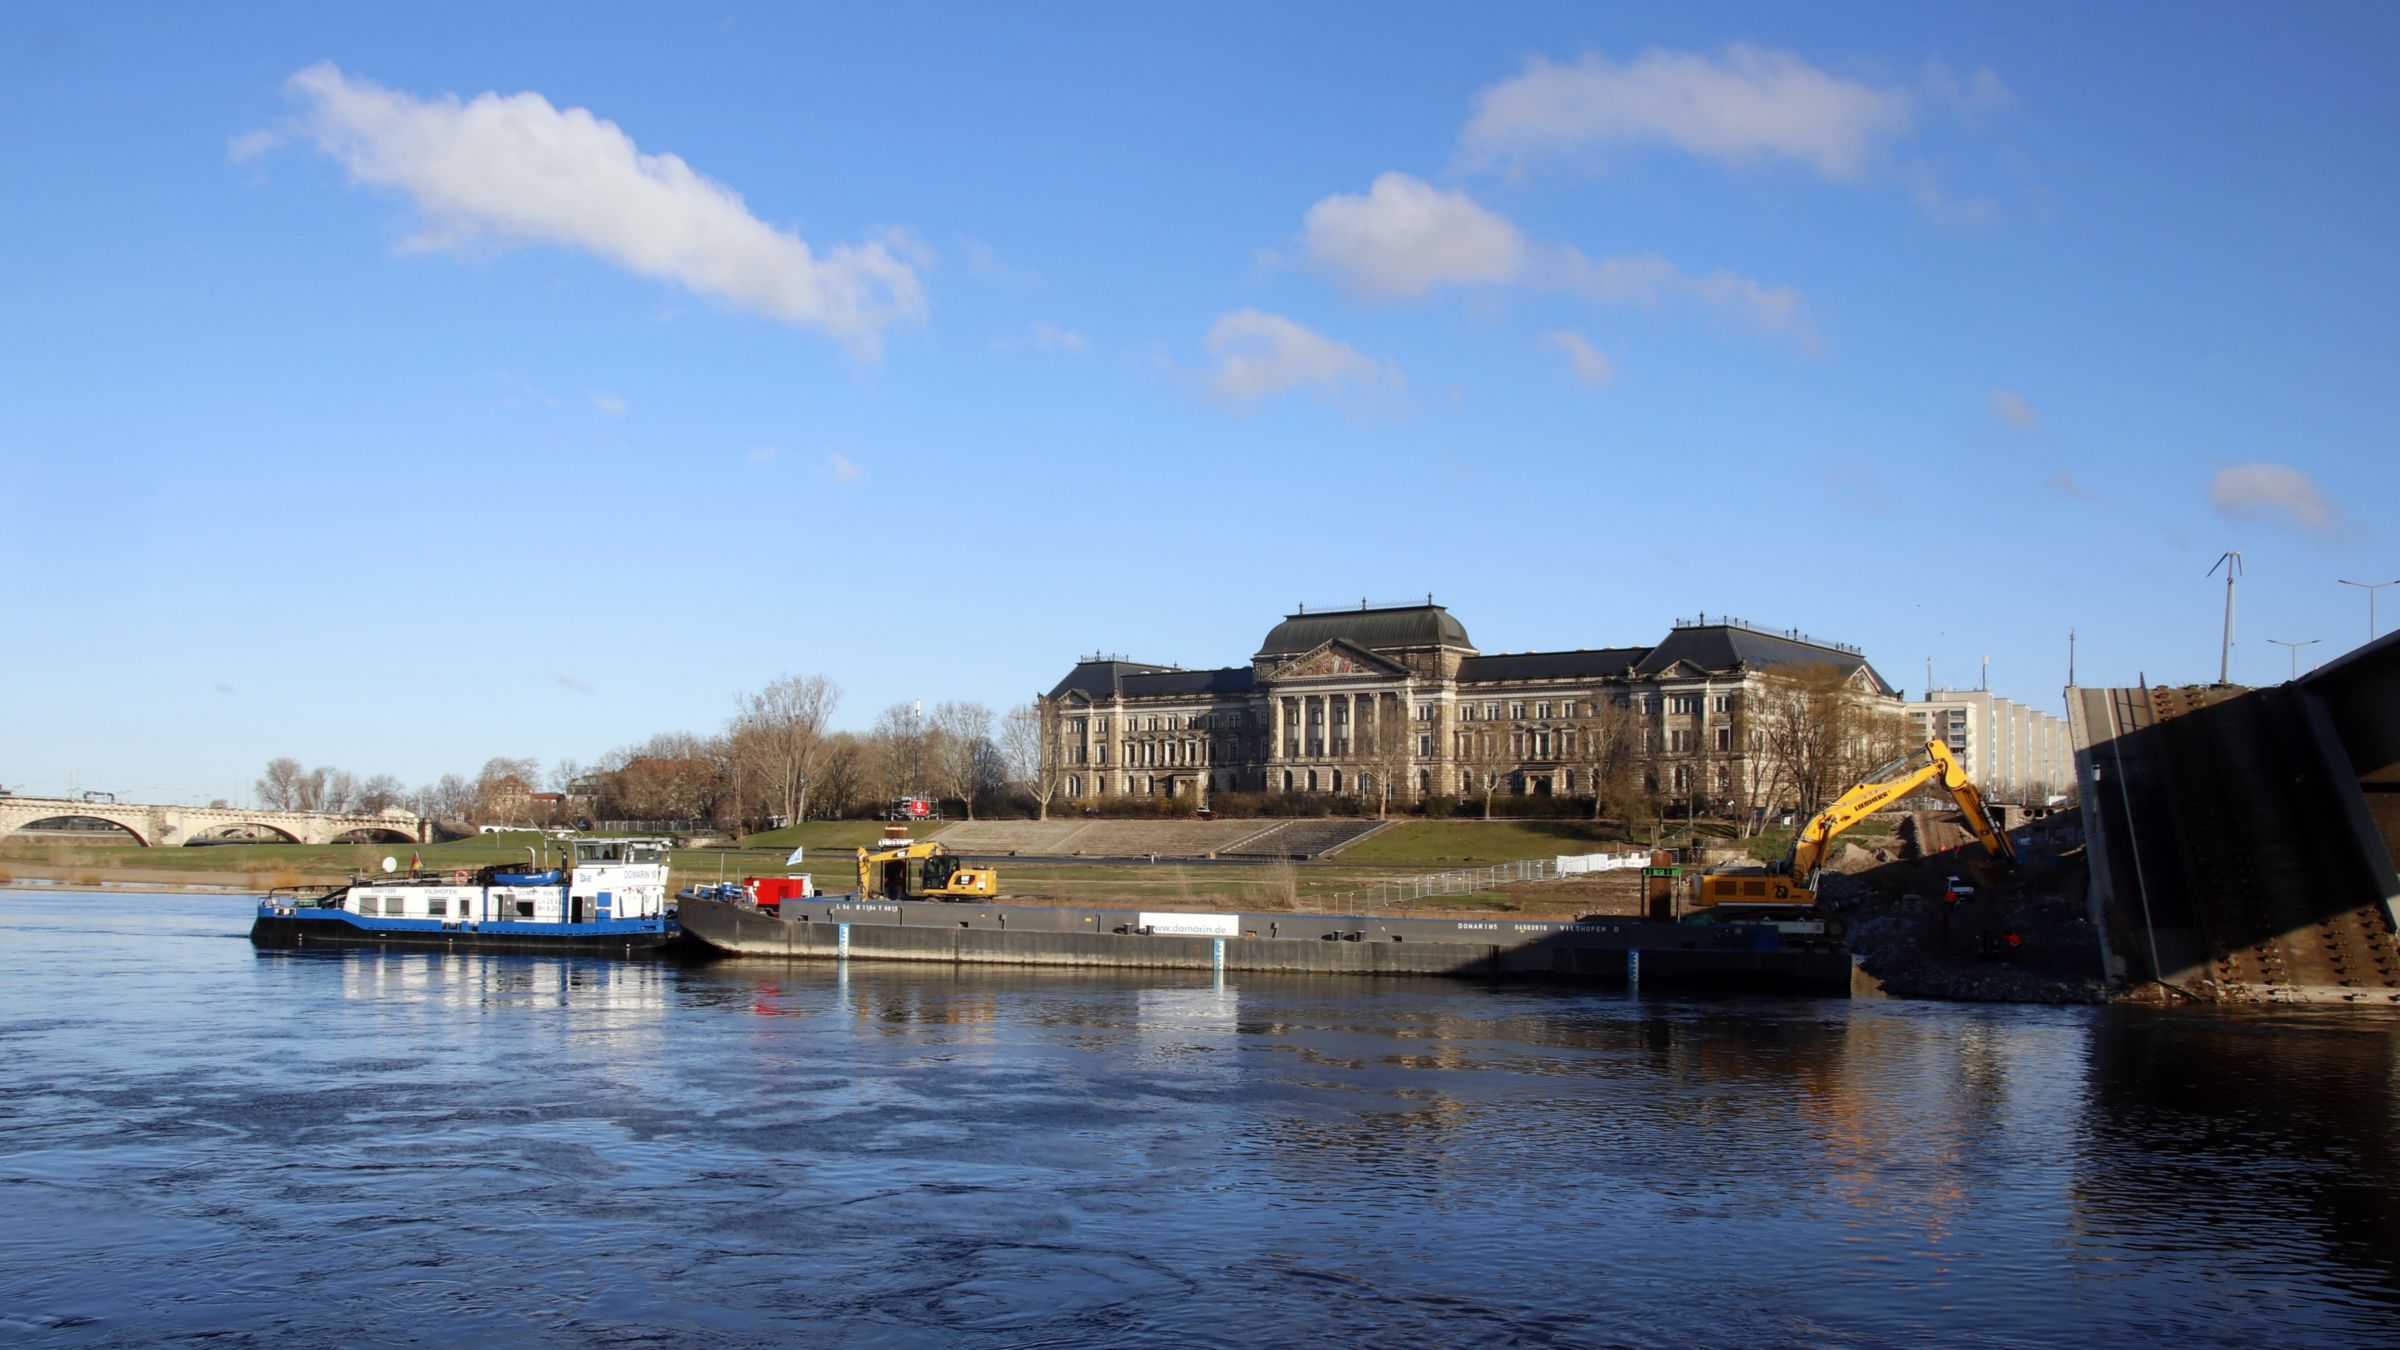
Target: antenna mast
(2231,561)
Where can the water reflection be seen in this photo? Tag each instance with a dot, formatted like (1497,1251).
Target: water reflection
(469,1148)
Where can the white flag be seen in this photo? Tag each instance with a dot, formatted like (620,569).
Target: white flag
(794,860)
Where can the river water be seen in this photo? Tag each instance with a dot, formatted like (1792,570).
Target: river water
(200,1140)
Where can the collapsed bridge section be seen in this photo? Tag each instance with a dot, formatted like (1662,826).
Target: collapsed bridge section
(2235,855)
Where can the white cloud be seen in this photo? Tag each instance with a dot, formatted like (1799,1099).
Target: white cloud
(610,404)
(515,169)
(566,681)
(1050,337)
(765,454)
(1592,366)
(1748,105)
(840,467)
(1649,280)
(251,144)
(2066,485)
(1406,236)
(2011,407)
(1260,354)
(2278,493)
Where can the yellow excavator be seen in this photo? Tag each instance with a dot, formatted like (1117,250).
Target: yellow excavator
(901,870)
(1790,885)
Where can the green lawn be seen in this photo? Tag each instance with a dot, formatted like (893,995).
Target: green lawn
(1427,844)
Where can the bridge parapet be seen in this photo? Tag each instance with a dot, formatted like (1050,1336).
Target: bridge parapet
(168,825)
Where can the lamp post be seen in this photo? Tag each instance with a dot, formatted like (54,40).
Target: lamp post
(2370,587)
(2295,646)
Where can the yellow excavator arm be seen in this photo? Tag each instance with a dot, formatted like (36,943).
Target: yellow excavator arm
(1887,785)
(1880,789)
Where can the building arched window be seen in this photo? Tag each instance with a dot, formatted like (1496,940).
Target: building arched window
(1312,780)
(1337,780)
(1287,780)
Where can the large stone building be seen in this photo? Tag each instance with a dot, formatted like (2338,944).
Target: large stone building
(1348,701)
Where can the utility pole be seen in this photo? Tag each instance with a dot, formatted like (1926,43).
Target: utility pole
(2231,561)
(2295,646)
(2370,587)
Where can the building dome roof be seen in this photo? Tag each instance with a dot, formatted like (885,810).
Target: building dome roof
(1387,629)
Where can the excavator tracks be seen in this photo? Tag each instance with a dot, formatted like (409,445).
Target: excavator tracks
(2265,871)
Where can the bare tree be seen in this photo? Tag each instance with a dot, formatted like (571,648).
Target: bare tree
(1390,752)
(960,734)
(503,789)
(1029,747)
(340,791)
(279,788)
(898,762)
(779,736)
(1485,756)
(1820,733)
(378,792)
(1608,747)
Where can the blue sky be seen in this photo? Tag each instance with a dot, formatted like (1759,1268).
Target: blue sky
(397,388)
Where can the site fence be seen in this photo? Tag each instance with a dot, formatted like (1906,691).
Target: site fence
(1386,896)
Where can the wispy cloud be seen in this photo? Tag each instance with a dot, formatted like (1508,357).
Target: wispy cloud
(223,688)
(1647,279)
(765,454)
(1405,237)
(1973,96)
(2011,407)
(516,169)
(1260,355)
(1050,337)
(840,467)
(610,404)
(985,261)
(1592,366)
(2277,493)
(565,681)
(1747,105)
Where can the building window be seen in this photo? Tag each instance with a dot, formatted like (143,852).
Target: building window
(1312,780)
(1567,709)
(1722,703)
(1491,712)
(1425,745)
(1683,777)
(1424,712)
(1516,711)
(1542,711)
(1679,741)
(1684,705)
(1541,745)
(1725,738)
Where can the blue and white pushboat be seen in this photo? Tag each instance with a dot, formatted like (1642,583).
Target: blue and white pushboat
(611,899)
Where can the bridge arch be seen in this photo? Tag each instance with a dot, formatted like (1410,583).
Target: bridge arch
(281,834)
(135,825)
(373,834)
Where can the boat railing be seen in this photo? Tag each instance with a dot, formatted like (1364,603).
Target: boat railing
(316,896)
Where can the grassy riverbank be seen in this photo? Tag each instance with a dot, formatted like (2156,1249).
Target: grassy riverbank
(1406,849)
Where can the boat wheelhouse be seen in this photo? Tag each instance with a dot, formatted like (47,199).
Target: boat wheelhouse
(609,898)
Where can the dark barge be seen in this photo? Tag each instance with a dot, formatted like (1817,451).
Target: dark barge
(1599,950)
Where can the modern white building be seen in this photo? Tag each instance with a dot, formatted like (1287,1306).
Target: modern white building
(2013,752)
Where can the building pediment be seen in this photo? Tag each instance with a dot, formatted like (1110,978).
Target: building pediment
(1336,659)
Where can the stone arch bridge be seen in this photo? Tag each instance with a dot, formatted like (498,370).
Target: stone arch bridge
(169,826)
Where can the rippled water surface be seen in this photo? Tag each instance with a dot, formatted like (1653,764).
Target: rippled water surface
(200,1140)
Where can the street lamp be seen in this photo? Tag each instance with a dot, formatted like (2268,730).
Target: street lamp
(2370,587)
(2295,646)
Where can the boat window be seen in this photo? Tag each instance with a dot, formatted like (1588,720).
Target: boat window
(524,909)
(437,908)
(646,853)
